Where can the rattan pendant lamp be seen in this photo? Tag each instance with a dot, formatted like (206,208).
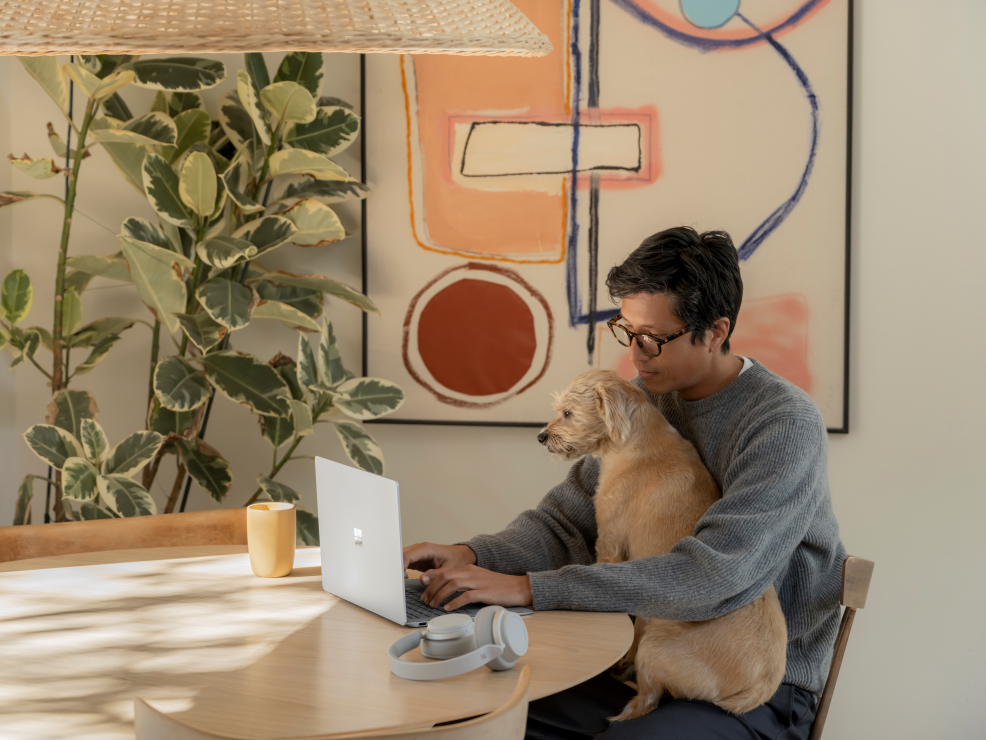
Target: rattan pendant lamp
(466,27)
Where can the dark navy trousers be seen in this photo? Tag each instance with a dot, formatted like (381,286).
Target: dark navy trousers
(581,711)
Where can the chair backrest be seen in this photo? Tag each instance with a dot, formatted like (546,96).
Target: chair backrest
(506,723)
(217,527)
(856,576)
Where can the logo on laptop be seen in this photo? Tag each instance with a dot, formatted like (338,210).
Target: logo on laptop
(358,536)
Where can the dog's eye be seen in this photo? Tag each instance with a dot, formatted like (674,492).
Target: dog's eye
(566,414)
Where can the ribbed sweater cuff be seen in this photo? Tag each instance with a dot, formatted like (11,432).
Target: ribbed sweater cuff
(551,592)
(485,548)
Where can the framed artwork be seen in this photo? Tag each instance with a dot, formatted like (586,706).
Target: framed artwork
(504,190)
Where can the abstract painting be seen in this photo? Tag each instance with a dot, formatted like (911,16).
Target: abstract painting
(504,189)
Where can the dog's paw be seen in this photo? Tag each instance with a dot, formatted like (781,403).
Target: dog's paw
(638,706)
(624,671)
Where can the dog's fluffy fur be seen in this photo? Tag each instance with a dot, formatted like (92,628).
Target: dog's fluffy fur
(653,488)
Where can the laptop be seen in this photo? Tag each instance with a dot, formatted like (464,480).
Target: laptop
(359,527)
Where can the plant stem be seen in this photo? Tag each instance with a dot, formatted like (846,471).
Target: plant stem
(155,349)
(58,370)
(175,489)
(277,467)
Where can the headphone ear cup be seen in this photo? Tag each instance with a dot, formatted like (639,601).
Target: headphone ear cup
(483,626)
(488,631)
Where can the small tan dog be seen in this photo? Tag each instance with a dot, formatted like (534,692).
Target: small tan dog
(653,488)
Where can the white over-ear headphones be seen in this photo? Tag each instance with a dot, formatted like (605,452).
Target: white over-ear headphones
(498,638)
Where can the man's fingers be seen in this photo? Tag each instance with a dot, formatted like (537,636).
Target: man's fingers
(435,580)
(469,597)
(443,593)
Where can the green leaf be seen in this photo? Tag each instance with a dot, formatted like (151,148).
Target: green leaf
(324,284)
(71,311)
(183,102)
(128,158)
(330,365)
(299,187)
(113,268)
(203,332)
(317,224)
(158,279)
(306,526)
(288,315)
(4,337)
(331,132)
(327,101)
(267,233)
(304,162)
(99,350)
(227,302)
(132,453)
(30,342)
(78,280)
(236,179)
(51,444)
(277,491)
(361,448)
(289,374)
(277,429)
(178,74)
(115,107)
(90,511)
(206,466)
(95,88)
(46,338)
(304,68)
(289,102)
(256,67)
(301,415)
(250,100)
(165,421)
(193,127)
(179,386)
(10,197)
(79,479)
(17,295)
(40,169)
(161,183)
(124,496)
(306,300)
(369,398)
(94,441)
(48,72)
(197,184)
(151,131)
(234,119)
(141,230)
(25,493)
(223,252)
(91,333)
(248,380)
(307,366)
(58,145)
(68,408)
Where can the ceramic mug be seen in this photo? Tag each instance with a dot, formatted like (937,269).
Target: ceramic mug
(271,538)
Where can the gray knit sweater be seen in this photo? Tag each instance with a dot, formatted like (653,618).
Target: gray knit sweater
(765,443)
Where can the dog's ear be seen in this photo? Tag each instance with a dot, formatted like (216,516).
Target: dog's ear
(614,408)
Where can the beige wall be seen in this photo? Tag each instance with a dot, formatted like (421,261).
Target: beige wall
(906,481)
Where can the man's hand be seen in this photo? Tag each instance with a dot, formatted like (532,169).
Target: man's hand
(427,555)
(478,584)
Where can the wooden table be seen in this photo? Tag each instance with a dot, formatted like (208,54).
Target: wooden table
(196,634)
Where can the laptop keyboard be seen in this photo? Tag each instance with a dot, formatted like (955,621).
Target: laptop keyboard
(418,610)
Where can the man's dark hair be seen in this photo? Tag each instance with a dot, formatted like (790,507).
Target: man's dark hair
(699,273)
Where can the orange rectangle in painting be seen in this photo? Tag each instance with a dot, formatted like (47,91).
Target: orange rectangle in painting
(504,224)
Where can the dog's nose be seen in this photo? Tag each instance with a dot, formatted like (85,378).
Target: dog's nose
(543,436)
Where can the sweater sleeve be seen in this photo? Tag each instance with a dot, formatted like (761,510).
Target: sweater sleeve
(560,531)
(738,549)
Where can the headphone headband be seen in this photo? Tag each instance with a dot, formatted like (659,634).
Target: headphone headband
(438,669)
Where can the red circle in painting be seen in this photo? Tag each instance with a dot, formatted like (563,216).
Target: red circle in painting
(477,337)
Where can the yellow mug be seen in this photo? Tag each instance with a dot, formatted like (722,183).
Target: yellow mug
(271,538)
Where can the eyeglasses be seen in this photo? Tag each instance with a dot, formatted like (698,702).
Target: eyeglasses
(649,344)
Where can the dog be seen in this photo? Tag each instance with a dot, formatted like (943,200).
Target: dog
(653,488)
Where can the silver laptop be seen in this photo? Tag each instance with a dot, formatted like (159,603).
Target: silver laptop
(359,527)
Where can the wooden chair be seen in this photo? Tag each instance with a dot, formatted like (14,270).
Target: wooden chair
(506,723)
(856,575)
(217,527)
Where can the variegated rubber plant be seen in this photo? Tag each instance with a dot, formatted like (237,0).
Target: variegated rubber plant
(227,190)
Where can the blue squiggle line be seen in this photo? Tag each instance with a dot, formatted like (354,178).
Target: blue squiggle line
(572,259)
(775,219)
(707,44)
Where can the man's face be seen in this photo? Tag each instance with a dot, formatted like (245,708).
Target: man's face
(681,364)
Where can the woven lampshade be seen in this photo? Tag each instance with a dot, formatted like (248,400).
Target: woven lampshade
(469,27)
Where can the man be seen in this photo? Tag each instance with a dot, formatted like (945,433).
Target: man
(765,443)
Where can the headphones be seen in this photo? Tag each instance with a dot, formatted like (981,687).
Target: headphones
(497,639)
